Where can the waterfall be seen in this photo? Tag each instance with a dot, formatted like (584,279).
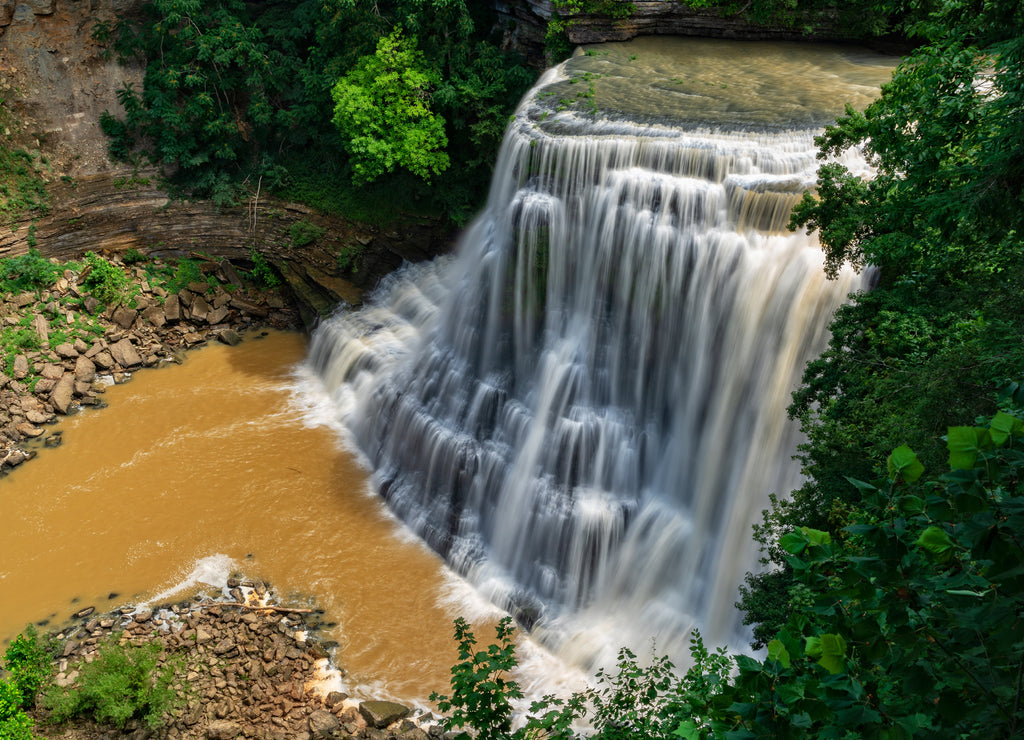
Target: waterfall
(584,410)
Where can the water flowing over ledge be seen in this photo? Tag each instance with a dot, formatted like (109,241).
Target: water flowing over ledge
(584,411)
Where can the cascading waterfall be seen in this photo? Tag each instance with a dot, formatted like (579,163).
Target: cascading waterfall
(584,410)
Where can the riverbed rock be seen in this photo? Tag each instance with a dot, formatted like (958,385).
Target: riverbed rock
(223,729)
(85,369)
(63,393)
(124,317)
(380,714)
(125,354)
(323,724)
(66,351)
(20,367)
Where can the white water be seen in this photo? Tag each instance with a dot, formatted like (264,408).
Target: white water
(584,411)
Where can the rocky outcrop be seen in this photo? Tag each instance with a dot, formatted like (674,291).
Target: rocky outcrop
(526,23)
(243,668)
(53,374)
(63,78)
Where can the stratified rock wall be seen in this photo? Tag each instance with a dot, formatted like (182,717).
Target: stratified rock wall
(525,24)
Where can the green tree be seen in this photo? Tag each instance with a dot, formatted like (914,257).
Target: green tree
(382,108)
(942,226)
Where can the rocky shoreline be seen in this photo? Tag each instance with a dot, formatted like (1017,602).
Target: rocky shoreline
(244,667)
(73,347)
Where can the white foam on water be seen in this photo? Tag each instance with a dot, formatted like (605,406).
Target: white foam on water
(213,570)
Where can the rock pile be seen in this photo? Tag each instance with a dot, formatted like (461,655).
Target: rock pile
(154,326)
(241,670)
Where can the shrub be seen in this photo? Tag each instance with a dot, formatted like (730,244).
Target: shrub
(481,694)
(107,283)
(133,256)
(123,682)
(28,660)
(305,232)
(14,723)
(29,271)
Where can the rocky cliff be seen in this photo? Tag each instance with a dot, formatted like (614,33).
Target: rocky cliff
(526,23)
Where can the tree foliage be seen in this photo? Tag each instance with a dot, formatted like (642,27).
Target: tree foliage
(940,226)
(382,108)
(907,623)
(238,93)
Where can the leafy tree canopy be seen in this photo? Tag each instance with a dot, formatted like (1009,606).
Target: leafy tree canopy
(382,110)
(940,227)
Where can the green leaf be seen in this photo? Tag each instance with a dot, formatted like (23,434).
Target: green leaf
(911,504)
(1003,426)
(833,652)
(964,444)
(687,730)
(903,463)
(936,542)
(794,543)
(777,652)
(816,536)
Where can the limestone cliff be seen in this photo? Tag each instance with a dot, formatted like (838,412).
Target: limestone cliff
(526,22)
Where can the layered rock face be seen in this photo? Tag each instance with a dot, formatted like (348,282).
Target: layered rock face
(526,21)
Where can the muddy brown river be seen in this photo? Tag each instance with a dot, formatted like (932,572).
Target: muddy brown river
(196,472)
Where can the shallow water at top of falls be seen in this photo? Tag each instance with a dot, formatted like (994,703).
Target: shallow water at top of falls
(710,83)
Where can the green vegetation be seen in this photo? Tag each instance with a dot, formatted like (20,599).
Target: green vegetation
(908,625)
(305,232)
(237,94)
(381,110)
(107,283)
(123,682)
(27,663)
(943,223)
(30,271)
(22,173)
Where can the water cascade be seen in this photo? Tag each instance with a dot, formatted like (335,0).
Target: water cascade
(583,411)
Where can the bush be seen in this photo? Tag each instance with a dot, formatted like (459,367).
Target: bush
(123,682)
(28,660)
(29,271)
(305,232)
(107,283)
(14,723)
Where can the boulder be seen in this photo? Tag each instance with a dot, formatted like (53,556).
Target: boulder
(20,367)
(90,304)
(172,308)
(52,372)
(42,328)
(200,309)
(229,337)
(223,729)
(104,360)
(85,370)
(125,317)
(155,315)
(63,393)
(380,714)
(323,724)
(125,354)
(217,315)
(66,351)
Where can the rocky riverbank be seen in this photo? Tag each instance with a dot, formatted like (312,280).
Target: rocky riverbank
(62,348)
(243,667)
